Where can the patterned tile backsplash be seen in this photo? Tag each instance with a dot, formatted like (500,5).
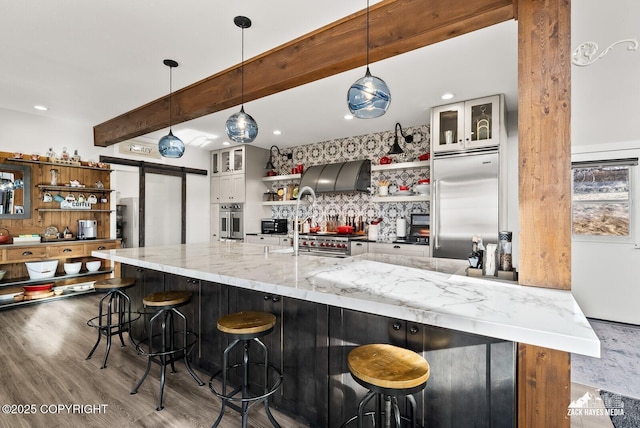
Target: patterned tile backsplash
(373,147)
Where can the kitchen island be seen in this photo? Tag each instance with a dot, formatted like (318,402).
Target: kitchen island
(466,327)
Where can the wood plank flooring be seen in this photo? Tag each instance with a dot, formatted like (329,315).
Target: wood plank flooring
(42,363)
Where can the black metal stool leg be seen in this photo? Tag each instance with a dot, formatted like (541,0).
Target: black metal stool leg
(225,362)
(99,329)
(108,328)
(122,302)
(266,383)
(144,376)
(412,402)
(149,361)
(186,350)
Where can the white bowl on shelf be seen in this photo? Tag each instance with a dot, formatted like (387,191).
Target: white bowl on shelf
(72,268)
(44,269)
(94,265)
(422,189)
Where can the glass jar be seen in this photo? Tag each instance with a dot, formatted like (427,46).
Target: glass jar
(54,177)
(505,251)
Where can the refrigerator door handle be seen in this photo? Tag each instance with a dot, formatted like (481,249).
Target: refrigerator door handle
(436,217)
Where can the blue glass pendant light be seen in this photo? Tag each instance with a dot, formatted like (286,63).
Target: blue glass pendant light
(369,96)
(170,146)
(241,127)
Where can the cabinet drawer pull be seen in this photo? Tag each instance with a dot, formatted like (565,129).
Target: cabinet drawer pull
(359,244)
(267,297)
(413,329)
(67,250)
(262,237)
(27,253)
(101,247)
(396,326)
(396,247)
(275,299)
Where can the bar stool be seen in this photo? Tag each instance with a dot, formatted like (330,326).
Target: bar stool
(117,318)
(160,346)
(245,327)
(388,372)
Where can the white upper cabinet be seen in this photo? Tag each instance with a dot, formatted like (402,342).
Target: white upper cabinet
(228,161)
(232,160)
(467,125)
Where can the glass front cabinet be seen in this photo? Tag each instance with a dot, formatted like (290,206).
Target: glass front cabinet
(228,161)
(467,125)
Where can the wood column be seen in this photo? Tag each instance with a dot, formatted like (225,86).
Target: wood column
(544,144)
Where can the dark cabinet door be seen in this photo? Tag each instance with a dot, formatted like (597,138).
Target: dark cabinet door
(147,282)
(298,347)
(347,330)
(191,310)
(214,302)
(304,361)
(472,380)
(243,300)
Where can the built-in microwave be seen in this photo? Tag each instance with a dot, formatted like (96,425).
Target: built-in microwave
(273,225)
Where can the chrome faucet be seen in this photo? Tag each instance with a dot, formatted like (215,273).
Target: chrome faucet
(296,232)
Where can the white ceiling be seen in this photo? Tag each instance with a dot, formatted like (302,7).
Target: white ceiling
(89,61)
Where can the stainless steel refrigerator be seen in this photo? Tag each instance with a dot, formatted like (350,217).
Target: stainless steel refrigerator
(466,190)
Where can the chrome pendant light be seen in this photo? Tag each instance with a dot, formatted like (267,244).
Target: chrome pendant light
(170,146)
(369,96)
(241,127)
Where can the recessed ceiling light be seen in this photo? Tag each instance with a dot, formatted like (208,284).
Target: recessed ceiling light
(41,108)
(348,116)
(447,96)
(277,132)
(225,143)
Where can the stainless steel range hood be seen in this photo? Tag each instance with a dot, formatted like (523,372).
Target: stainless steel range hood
(354,176)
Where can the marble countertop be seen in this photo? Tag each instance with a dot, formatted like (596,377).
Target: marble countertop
(420,289)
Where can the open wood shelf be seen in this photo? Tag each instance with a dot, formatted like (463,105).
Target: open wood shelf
(74,189)
(57,164)
(402,165)
(10,303)
(29,281)
(71,210)
(282,177)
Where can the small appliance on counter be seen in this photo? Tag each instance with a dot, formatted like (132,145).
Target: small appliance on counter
(418,230)
(87,229)
(273,225)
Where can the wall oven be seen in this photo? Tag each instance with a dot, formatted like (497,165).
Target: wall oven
(231,221)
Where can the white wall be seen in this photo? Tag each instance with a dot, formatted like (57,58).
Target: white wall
(605,96)
(34,133)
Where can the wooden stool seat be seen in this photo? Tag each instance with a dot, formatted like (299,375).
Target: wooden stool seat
(114,283)
(246,322)
(167,298)
(388,366)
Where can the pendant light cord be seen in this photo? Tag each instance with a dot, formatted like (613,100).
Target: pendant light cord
(367,34)
(170,97)
(242,71)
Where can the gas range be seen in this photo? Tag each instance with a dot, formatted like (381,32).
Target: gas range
(329,244)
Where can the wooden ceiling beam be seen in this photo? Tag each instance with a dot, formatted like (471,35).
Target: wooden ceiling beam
(396,27)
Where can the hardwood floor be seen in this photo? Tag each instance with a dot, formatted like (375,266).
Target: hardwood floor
(42,363)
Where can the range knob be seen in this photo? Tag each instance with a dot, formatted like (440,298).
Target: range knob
(304,242)
(313,244)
